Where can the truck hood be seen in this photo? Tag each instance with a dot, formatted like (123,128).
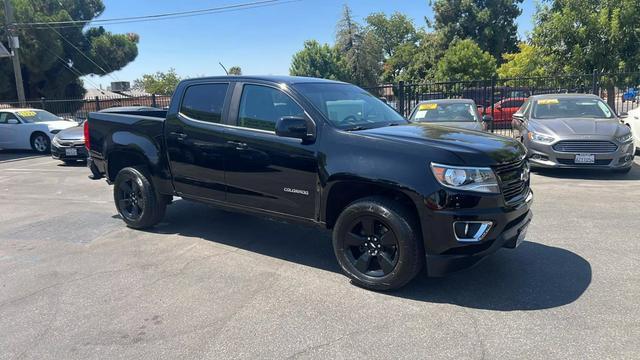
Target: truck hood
(577,126)
(472,147)
(73,133)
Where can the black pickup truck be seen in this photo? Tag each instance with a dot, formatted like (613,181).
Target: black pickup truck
(397,195)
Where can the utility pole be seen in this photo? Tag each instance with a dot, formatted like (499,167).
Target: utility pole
(14,43)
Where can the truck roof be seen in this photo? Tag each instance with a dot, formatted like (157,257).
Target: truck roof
(282,79)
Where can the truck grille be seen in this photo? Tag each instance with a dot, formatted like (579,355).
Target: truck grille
(514,188)
(588,147)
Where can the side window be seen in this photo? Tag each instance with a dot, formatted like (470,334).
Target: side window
(204,102)
(262,106)
(517,103)
(4,117)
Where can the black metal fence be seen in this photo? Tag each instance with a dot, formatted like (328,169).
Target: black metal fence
(78,109)
(500,98)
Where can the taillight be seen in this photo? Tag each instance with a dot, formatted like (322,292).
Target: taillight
(87,143)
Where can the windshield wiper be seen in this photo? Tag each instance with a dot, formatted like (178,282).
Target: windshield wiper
(356,128)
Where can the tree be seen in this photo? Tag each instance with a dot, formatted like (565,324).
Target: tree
(54,59)
(160,83)
(360,50)
(235,70)
(315,60)
(392,32)
(491,24)
(528,62)
(465,61)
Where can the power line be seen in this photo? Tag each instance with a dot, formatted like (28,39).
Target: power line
(164,16)
(70,68)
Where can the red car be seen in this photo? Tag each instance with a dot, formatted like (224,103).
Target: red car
(504,109)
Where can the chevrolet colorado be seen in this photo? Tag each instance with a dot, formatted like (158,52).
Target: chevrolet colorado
(397,195)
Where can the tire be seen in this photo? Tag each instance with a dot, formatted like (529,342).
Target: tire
(40,143)
(136,200)
(377,243)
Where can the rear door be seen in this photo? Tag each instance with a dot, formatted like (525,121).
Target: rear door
(196,142)
(266,171)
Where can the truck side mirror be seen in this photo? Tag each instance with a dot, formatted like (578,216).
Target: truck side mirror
(297,127)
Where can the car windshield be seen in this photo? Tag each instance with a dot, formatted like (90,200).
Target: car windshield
(36,116)
(349,107)
(554,108)
(445,112)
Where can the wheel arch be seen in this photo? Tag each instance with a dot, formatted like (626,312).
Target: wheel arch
(120,159)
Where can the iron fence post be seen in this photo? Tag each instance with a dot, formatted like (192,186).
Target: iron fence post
(401,98)
(493,102)
(97,103)
(42,103)
(153,100)
(595,82)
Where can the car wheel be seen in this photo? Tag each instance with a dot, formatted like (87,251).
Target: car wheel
(139,205)
(377,243)
(40,143)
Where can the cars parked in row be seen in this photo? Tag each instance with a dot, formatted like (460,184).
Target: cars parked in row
(502,111)
(574,131)
(460,113)
(30,129)
(397,194)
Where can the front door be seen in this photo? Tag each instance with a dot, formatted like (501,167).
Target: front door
(8,132)
(264,170)
(196,142)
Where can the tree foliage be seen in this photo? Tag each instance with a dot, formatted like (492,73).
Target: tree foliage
(528,62)
(235,70)
(392,32)
(580,36)
(160,83)
(51,66)
(360,50)
(491,24)
(464,60)
(315,60)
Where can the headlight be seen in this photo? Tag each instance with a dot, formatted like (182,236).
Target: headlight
(625,138)
(466,178)
(544,139)
(55,141)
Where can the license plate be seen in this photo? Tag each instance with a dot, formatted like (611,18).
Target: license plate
(71,152)
(585,159)
(521,235)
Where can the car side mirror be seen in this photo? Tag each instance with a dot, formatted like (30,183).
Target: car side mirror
(624,115)
(296,127)
(13,121)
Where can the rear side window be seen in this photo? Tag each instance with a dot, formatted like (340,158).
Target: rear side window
(5,117)
(204,102)
(262,106)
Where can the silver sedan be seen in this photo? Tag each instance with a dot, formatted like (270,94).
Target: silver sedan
(574,131)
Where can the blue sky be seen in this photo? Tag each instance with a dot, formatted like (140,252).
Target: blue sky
(260,40)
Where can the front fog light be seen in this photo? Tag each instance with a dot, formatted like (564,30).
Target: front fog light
(471,231)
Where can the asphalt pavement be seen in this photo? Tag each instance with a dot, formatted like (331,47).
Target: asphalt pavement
(75,283)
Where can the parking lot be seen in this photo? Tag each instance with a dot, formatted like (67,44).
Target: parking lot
(77,284)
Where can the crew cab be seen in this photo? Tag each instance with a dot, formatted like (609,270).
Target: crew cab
(397,195)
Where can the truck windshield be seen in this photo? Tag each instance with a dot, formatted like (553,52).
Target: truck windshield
(554,108)
(349,107)
(445,112)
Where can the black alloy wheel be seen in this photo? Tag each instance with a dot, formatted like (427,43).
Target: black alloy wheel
(372,247)
(130,199)
(136,199)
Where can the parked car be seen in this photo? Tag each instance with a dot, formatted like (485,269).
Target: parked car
(502,111)
(633,121)
(30,129)
(574,131)
(396,194)
(460,113)
(630,95)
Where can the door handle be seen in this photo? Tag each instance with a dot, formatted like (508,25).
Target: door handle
(179,135)
(238,145)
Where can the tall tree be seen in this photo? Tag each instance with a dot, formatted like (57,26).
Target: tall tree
(491,24)
(465,61)
(360,50)
(235,70)
(528,62)
(160,83)
(393,31)
(54,59)
(315,60)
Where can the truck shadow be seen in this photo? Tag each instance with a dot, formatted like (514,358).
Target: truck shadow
(532,277)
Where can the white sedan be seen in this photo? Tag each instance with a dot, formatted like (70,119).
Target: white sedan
(633,120)
(30,129)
